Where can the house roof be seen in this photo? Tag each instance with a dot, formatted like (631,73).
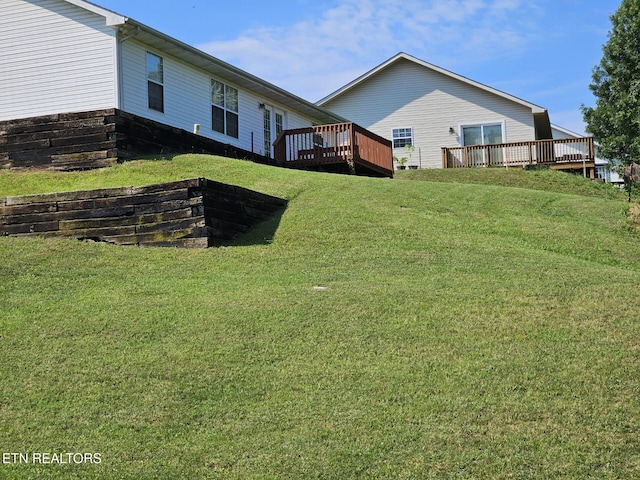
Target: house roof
(540,114)
(566,131)
(158,40)
(113,18)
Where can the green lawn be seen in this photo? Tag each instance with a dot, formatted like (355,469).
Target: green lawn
(472,325)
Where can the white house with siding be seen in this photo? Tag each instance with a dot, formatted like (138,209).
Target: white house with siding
(410,101)
(60,56)
(603,169)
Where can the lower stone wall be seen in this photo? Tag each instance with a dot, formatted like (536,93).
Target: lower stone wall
(101,138)
(187,213)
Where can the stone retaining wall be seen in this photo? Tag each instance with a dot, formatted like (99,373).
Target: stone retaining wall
(101,138)
(187,213)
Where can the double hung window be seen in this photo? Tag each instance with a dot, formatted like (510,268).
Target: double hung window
(155,82)
(402,137)
(224,109)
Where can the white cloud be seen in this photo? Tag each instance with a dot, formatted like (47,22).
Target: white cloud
(315,56)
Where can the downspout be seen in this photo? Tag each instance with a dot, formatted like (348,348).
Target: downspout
(119,66)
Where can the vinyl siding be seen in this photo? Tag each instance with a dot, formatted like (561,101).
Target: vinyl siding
(408,95)
(187,99)
(54,58)
(559,134)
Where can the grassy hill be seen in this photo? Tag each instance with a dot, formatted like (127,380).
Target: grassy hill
(464,328)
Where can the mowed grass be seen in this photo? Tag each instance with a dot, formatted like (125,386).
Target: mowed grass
(465,330)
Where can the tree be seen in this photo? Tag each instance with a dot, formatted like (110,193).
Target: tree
(615,120)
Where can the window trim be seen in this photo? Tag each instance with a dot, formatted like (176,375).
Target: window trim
(402,137)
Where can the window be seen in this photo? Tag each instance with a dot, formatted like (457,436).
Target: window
(224,109)
(603,173)
(279,123)
(402,137)
(267,131)
(274,124)
(484,134)
(487,134)
(155,82)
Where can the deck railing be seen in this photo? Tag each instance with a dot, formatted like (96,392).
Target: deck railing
(336,143)
(566,150)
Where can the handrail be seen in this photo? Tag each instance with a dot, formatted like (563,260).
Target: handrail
(335,143)
(520,153)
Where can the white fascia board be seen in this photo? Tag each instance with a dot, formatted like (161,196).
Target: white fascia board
(112,19)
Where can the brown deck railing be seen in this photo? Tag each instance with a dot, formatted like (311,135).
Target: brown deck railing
(330,144)
(566,150)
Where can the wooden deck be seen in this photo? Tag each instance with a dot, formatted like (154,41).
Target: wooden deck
(575,154)
(344,146)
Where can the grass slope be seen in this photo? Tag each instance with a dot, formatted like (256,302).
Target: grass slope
(466,331)
(542,179)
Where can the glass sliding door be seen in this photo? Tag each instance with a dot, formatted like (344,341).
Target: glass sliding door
(489,134)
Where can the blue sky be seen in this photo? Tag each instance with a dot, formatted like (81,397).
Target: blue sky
(540,50)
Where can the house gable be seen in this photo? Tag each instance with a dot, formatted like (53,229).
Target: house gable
(403,56)
(405,93)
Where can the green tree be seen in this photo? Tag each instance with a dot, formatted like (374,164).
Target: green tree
(615,120)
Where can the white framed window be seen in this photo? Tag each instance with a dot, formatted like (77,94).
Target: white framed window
(402,137)
(482,134)
(155,82)
(603,173)
(490,133)
(224,109)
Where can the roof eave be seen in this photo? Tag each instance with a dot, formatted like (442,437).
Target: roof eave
(226,71)
(535,109)
(213,65)
(112,19)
